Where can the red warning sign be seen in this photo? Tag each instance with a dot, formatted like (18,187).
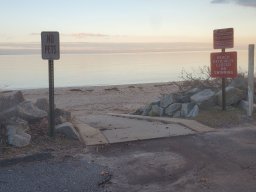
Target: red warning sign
(224,64)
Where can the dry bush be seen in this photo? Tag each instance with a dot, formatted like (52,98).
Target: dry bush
(201,78)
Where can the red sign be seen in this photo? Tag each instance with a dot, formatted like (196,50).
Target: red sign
(223,38)
(224,64)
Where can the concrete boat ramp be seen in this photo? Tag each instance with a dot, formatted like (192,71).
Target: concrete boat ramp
(116,128)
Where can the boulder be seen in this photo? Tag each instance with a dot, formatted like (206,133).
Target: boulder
(192,91)
(62,116)
(148,107)
(244,105)
(166,100)
(8,113)
(186,108)
(68,130)
(194,112)
(16,134)
(146,110)
(177,114)
(239,82)
(182,98)
(155,111)
(205,98)
(43,104)
(172,109)
(233,96)
(19,140)
(10,101)
(29,112)
(138,111)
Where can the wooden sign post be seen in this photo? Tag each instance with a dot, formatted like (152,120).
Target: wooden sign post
(223,64)
(51,51)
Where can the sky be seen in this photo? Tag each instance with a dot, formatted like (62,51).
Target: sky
(126,20)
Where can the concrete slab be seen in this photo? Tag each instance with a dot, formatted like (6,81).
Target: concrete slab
(121,129)
(144,130)
(115,128)
(191,124)
(90,135)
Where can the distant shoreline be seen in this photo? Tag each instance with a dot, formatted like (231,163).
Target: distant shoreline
(90,86)
(111,48)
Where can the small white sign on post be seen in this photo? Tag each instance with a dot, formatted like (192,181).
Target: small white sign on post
(50,45)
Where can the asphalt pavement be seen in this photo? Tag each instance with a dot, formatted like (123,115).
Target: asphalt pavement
(71,175)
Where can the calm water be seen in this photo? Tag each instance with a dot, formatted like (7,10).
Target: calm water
(30,71)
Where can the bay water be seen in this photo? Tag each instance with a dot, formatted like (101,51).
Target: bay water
(18,71)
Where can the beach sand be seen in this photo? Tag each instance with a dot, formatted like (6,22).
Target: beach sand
(82,101)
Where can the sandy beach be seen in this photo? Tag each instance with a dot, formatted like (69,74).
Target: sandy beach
(82,101)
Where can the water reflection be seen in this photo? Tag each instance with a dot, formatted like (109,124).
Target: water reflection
(30,71)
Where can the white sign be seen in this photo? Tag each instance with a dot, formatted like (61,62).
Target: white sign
(50,45)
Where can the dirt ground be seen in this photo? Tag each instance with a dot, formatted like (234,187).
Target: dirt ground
(224,160)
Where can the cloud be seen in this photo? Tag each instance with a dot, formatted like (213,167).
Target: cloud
(86,35)
(219,1)
(78,35)
(35,34)
(248,3)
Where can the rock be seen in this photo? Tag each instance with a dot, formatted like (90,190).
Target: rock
(68,130)
(21,125)
(28,111)
(62,116)
(166,100)
(177,114)
(16,134)
(8,113)
(186,108)
(139,111)
(43,104)
(239,82)
(244,106)
(146,110)
(148,107)
(205,98)
(233,96)
(194,112)
(10,101)
(192,91)
(156,111)
(19,140)
(181,98)
(172,109)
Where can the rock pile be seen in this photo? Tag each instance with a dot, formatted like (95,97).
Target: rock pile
(17,114)
(187,104)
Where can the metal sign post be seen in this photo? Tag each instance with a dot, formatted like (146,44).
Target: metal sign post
(250,80)
(51,118)
(223,64)
(223,89)
(51,51)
